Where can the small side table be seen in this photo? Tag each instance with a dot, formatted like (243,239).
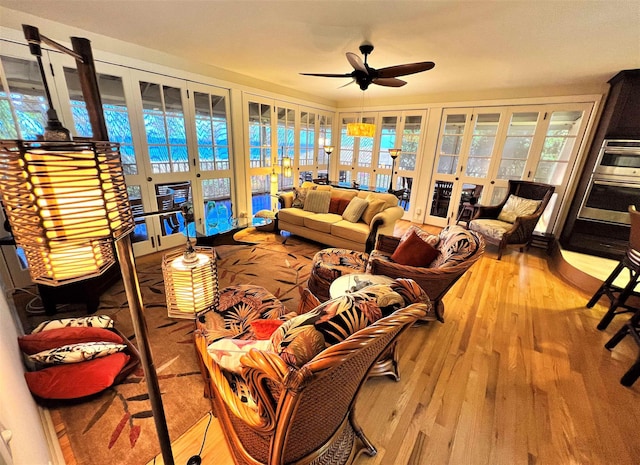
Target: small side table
(467,212)
(353,282)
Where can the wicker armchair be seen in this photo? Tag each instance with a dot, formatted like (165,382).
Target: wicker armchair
(458,250)
(303,414)
(519,232)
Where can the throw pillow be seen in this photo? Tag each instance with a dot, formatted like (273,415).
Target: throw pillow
(76,380)
(355,209)
(517,206)
(338,204)
(299,196)
(414,252)
(317,201)
(375,206)
(430,239)
(74,353)
(227,352)
(97,321)
(45,340)
(263,329)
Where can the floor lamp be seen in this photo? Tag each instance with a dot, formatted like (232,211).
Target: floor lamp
(328,149)
(394,154)
(67,204)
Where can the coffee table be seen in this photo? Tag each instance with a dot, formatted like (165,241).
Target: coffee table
(225,233)
(353,282)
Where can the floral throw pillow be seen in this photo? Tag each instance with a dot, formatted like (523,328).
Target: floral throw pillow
(74,353)
(430,239)
(299,197)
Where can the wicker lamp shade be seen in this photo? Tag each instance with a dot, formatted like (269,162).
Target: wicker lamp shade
(191,281)
(361,129)
(67,203)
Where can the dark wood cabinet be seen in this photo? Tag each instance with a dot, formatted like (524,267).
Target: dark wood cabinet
(620,119)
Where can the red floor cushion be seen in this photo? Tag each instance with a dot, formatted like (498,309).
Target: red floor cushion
(45,340)
(77,379)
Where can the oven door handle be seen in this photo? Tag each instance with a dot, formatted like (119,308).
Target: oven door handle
(616,183)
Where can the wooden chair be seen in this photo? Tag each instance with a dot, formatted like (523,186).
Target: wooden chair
(459,249)
(631,261)
(489,223)
(302,415)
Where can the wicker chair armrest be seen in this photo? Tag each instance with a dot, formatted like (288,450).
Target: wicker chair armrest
(522,229)
(387,244)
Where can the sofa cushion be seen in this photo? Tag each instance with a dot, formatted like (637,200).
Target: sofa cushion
(95,321)
(338,204)
(375,206)
(317,201)
(431,239)
(227,352)
(357,232)
(45,340)
(74,353)
(321,222)
(414,251)
(517,206)
(355,209)
(294,216)
(456,245)
(76,380)
(493,229)
(299,197)
(390,200)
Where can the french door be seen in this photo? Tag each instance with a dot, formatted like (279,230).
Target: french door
(480,150)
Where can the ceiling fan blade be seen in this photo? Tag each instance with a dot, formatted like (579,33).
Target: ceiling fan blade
(328,75)
(347,84)
(389,82)
(356,62)
(403,70)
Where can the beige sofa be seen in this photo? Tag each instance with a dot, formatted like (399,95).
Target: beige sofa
(331,228)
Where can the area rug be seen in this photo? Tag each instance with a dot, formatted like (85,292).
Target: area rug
(117,426)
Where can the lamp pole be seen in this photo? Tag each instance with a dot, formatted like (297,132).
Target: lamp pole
(394,154)
(328,149)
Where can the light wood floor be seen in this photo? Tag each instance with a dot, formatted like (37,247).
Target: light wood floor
(517,374)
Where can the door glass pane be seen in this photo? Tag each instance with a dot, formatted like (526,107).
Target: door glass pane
(347,144)
(365,148)
(387,141)
(441,198)
(260,193)
(482,142)
(216,195)
(23,108)
(170,197)
(140,231)
(114,108)
(307,138)
(517,145)
(212,133)
(451,143)
(558,146)
(259,135)
(410,141)
(286,134)
(324,138)
(165,129)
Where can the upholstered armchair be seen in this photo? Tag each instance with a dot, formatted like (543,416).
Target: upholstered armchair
(457,249)
(512,221)
(291,398)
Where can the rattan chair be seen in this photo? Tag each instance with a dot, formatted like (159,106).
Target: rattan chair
(459,249)
(303,415)
(518,233)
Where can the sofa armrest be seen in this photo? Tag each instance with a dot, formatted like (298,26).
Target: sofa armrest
(383,222)
(285,199)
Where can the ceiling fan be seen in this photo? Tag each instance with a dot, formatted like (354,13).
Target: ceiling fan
(363,74)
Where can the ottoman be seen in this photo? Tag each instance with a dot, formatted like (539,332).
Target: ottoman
(330,264)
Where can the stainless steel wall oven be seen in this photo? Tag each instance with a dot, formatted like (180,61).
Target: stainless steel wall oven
(614,184)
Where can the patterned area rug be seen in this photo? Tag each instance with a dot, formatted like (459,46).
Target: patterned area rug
(117,426)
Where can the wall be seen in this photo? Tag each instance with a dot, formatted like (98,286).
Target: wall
(18,411)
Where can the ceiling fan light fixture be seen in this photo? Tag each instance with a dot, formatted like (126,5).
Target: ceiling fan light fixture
(361,129)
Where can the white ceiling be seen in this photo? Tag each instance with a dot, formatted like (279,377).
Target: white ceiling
(478,46)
